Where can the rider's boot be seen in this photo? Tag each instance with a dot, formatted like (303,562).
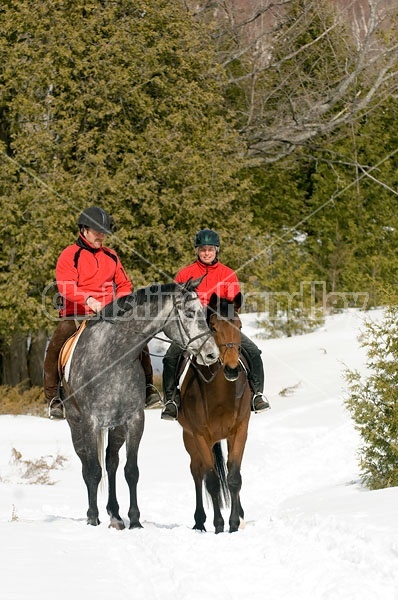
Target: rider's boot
(171,406)
(56,406)
(260,403)
(152,396)
(172,399)
(255,375)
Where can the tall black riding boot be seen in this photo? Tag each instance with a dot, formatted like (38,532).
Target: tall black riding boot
(171,394)
(256,375)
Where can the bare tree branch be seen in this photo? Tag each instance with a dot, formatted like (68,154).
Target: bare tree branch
(308,73)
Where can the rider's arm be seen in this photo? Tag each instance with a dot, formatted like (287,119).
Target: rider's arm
(123,284)
(67,278)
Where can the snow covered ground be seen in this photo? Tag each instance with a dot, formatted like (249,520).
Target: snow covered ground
(312,531)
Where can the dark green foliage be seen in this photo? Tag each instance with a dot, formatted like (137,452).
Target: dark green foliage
(342,205)
(124,104)
(117,104)
(373,402)
(293,320)
(321,126)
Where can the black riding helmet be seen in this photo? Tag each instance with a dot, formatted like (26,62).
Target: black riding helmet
(206,237)
(96,218)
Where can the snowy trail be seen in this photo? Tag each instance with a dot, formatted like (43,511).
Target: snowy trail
(311,530)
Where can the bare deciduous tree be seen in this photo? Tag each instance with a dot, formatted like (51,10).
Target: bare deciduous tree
(301,70)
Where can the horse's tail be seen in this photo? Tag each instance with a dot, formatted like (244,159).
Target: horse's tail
(102,441)
(221,469)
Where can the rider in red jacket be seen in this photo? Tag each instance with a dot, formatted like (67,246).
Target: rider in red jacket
(85,271)
(218,278)
(223,281)
(89,276)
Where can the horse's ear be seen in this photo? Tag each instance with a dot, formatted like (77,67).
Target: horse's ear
(192,284)
(213,302)
(238,301)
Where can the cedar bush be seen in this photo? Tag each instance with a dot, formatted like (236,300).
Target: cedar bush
(373,404)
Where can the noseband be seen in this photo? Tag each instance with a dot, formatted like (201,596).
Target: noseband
(183,330)
(230,345)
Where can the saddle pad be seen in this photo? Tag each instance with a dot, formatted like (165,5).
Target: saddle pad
(67,350)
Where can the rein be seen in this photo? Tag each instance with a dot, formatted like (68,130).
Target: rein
(202,376)
(183,332)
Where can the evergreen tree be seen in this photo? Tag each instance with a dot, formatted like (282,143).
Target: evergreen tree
(373,403)
(318,110)
(117,104)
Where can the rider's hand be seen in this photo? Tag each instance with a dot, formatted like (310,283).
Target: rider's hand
(94,304)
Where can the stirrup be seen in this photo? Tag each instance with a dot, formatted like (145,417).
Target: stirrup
(166,416)
(263,404)
(56,408)
(153,398)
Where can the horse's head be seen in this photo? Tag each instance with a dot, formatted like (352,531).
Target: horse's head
(188,326)
(225,325)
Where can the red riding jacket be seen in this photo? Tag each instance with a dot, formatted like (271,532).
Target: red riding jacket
(84,271)
(219,279)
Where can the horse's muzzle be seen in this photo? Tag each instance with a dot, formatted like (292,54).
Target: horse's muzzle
(208,358)
(231,374)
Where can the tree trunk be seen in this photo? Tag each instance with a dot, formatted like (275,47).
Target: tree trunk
(36,357)
(15,362)
(22,360)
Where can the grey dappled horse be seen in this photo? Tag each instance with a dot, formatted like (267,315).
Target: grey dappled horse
(106,383)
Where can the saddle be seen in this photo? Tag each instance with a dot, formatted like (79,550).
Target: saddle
(68,347)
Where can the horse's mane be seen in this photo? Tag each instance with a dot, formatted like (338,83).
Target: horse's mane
(119,307)
(138,298)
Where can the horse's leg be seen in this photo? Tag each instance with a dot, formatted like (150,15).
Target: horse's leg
(135,427)
(116,438)
(236,446)
(84,438)
(212,483)
(197,476)
(211,479)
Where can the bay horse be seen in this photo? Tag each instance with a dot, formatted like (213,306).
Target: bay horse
(216,405)
(106,383)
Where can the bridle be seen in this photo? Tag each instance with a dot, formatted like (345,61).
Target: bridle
(177,307)
(228,344)
(219,361)
(184,333)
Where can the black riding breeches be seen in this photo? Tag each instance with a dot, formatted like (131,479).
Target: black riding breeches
(252,353)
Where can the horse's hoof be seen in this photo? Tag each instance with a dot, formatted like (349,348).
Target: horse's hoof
(93,522)
(136,525)
(220,529)
(200,528)
(117,524)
